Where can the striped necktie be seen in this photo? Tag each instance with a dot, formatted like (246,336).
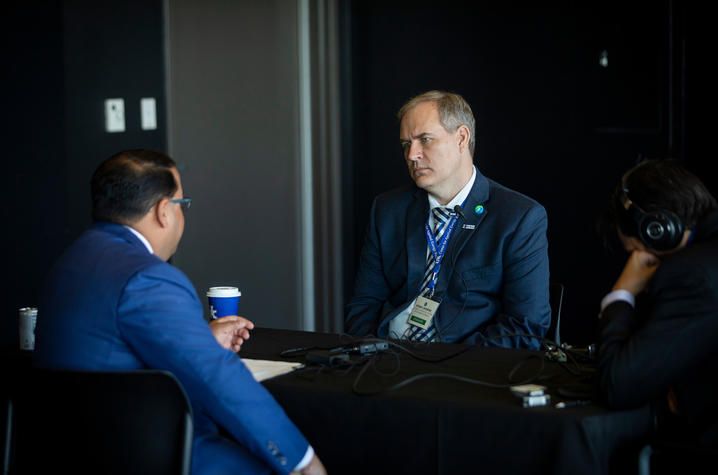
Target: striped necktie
(442,216)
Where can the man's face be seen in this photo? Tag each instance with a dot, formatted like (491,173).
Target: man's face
(431,153)
(631,243)
(177,225)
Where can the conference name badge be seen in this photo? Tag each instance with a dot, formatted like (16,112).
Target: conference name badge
(423,312)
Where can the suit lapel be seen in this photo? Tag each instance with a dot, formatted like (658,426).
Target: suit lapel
(475,211)
(416,216)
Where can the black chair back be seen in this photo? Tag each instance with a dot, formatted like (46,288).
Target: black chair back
(98,422)
(672,457)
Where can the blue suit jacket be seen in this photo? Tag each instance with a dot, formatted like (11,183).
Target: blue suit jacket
(494,278)
(109,304)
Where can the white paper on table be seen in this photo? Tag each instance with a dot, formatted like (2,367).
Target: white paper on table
(265,369)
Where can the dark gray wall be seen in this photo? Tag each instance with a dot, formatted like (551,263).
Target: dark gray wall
(551,122)
(234,131)
(62,59)
(33,154)
(111,49)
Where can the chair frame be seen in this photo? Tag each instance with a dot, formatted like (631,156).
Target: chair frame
(98,422)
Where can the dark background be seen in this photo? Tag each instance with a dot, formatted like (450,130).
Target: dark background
(551,122)
(62,60)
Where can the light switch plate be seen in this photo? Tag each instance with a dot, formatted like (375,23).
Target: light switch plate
(148,108)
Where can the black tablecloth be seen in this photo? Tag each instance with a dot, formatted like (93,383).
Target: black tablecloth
(443,425)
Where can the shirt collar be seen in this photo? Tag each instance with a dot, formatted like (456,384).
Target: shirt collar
(459,198)
(141,238)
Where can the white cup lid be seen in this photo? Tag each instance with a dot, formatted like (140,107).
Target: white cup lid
(223,292)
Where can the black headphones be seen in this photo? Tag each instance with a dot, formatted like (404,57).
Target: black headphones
(660,230)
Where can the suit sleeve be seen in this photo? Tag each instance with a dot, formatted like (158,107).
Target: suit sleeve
(641,355)
(525,287)
(371,289)
(160,317)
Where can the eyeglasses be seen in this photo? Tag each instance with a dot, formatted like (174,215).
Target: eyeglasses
(183,202)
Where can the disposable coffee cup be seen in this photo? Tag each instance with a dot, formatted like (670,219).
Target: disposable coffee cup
(26,327)
(223,301)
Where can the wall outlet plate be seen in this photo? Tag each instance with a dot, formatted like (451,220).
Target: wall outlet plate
(115,115)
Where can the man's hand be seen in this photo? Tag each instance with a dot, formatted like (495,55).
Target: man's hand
(315,467)
(231,331)
(637,272)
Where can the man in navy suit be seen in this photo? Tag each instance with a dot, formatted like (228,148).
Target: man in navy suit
(112,302)
(457,257)
(659,324)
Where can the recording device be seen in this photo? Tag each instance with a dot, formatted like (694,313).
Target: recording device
(340,356)
(587,353)
(324,357)
(556,353)
(528,389)
(660,230)
(457,210)
(361,348)
(531,395)
(562,353)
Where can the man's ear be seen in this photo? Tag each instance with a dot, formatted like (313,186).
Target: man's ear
(464,137)
(162,212)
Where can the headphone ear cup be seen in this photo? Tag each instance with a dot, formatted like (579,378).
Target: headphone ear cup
(660,230)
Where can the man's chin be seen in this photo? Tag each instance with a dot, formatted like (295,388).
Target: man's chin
(423,181)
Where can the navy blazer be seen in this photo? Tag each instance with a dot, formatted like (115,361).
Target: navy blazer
(109,304)
(669,341)
(494,279)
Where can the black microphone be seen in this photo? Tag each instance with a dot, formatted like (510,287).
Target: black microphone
(457,210)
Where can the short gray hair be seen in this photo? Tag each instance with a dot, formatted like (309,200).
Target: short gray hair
(454,112)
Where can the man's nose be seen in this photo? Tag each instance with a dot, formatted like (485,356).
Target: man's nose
(414,152)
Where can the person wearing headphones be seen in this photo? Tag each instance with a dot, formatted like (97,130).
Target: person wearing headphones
(658,330)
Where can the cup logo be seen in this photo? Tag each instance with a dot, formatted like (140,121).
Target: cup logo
(223,301)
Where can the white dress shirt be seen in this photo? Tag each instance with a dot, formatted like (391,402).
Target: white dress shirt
(141,238)
(615,295)
(399,325)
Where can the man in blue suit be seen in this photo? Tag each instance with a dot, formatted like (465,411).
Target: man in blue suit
(457,257)
(112,302)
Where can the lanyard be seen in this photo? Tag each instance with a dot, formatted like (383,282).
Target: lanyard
(438,252)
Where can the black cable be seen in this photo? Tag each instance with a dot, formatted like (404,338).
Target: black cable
(316,369)
(463,305)
(420,357)
(298,351)
(373,358)
(546,344)
(511,376)
(520,364)
(418,377)
(579,367)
